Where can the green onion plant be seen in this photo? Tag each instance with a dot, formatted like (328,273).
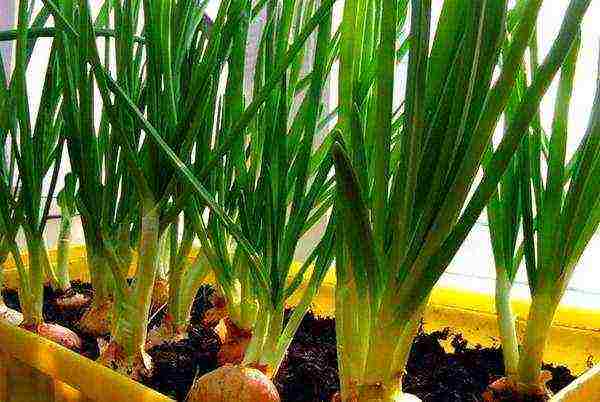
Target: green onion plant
(68,209)
(403,206)
(8,194)
(185,278)
(69,197)
(559,211)
(109,209)
(38,154)
(275,183)
(58,273)
(158,164)
(127,186)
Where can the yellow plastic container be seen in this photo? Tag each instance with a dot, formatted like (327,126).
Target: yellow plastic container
(33,369)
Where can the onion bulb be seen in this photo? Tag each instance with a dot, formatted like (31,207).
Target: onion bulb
(56,333)
(10,316)
(233,383)
(507,389)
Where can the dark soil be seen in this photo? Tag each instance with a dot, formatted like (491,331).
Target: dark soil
(177,364)
(309,371)
(68,318)
(463,375)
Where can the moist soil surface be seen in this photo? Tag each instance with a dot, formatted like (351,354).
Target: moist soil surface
(67,318)
(309,372)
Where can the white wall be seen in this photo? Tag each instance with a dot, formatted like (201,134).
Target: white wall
(473,266)
(7,11)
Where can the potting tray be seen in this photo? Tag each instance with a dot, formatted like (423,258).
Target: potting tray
(34,369)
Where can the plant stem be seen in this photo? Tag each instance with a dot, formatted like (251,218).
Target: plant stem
(384,341)
(147,269)
(270,355)
(348,361)
(133,309)
(164,255)
(506,324)
(100,277)
(32,307)
(541,314)
(293,324)
(3,257)
(404,345)
(248,305)
(176,290)
(23,274)
(180,284)
(62,254)
(50,32)
(182,300)
(259,334)
(390,392)
(49,269)
(97,320)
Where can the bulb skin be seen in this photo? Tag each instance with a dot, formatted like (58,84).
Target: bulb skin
(233,383)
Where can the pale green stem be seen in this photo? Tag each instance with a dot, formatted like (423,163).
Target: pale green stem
(286,338)
(176,288)
(382,342)
(539,322)
(402,353)
(100,277)
(379,360)
(234,305)
(259,334)
(23,290)
(293,324)
(134,312)
(124,249)
(164,255)
(506,325)
(389,348)
(248,303)
(363,331)
(62,253)
(354,332)
(269,355)
(49,269)
(347,363)
(380,383)
(193,278)
(341,342)
(390,392)
(3,257)
(242,305)
(32,308)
